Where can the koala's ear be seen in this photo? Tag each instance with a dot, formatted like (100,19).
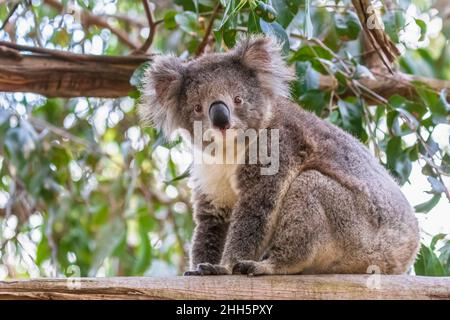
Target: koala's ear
(162,84)
(263,54)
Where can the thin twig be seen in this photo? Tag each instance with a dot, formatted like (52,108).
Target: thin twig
(51,241)
(171,219)
(152,26)
(204,43)
(42,124)
(385,48)
(37,35)
(66,55)
(138,22)
(88,19)
(10,14)
(431,162)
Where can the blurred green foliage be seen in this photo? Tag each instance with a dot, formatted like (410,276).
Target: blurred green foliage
(83,185)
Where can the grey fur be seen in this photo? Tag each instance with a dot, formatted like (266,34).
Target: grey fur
(331,208)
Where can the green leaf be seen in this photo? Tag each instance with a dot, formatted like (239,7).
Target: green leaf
(61,37)
(19,144)
(144,251)
(436,103)
(428,205)
(445,165)
(437,187)
(423,28)
(253,23)
(169,20)
(308,28)
(315,100)
(347,25)
(351,111)
(311,53)
(404,111)
(182,176)
(4,117)
(287,9)
(266,11)
(187,21)
(229,37)
(394,21)
(398,161)
(307,79)
(276,30)
(108,239)
(435,239)
(138,75)
(228,12)
(428,264)
(444,256)
(187,5)
(43,251)
(207,3)
(431,147)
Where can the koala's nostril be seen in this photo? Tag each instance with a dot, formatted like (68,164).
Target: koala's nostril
(219,115)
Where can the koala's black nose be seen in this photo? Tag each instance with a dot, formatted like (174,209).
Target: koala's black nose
(219,115)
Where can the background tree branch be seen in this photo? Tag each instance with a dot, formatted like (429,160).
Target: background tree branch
(87,19)
(56,73)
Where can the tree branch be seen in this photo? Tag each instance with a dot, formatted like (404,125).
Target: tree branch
(70,56)
(131,21)
(56,73)
(14,8)
(204,43)
(331,286)
(152,24)
(373,29)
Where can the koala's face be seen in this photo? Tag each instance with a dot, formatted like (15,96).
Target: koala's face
(233,90)
(222,94)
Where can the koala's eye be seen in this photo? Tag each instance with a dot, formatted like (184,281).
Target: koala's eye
(198,108)
(238,100)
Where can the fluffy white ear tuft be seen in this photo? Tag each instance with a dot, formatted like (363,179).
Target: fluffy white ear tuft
(160,92)
(263,54)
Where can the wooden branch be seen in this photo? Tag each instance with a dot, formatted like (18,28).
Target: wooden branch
(204,43)
(105,76)
(56,77)
(70,56)
(374,30)
(151,25)
(232,287)
(386,85)
(56,73)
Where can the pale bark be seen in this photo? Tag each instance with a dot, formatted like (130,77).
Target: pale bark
(232,287)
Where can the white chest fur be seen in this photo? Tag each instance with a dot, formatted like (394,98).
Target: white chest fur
(218,182)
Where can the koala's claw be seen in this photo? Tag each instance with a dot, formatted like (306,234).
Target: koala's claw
(248,267)
(208,269)
(192,273)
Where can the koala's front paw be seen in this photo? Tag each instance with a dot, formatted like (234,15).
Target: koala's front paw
(250,268)
(208,269)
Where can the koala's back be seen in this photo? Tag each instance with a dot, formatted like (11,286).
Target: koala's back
(335,153)
(354,208)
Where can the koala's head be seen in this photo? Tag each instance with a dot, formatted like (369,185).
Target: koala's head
(223,90)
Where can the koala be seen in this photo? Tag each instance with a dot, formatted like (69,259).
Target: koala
(329,208)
